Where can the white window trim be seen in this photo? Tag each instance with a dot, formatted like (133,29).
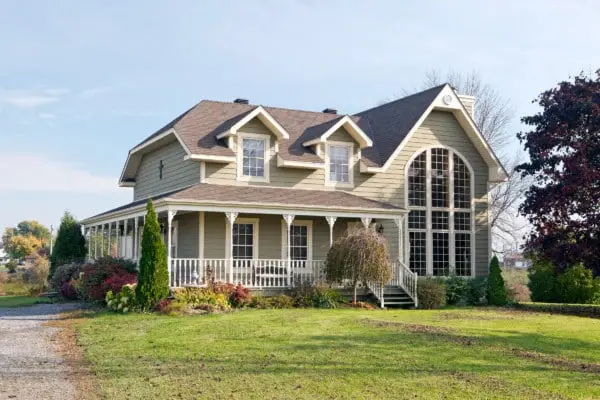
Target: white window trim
(451,210)
(351,164)
(255,238)
(299,222)
(240,157)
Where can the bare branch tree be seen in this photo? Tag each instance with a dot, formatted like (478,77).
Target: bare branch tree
(492,114)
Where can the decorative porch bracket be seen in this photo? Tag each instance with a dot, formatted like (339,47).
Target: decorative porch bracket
(366,221)
(331,222)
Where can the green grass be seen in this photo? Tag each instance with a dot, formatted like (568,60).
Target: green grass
(345,354)
(21,301)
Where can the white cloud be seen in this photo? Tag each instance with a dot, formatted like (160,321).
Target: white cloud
(47,115)
(32,98)
(37,173)
(95,91)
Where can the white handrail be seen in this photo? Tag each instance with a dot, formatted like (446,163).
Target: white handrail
(406,279)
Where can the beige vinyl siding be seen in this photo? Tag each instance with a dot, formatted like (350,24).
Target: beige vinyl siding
(177,172)
(341,135)
(188,235)
(439,129)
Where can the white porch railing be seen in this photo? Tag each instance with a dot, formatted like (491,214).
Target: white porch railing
(406,279)
(262,273)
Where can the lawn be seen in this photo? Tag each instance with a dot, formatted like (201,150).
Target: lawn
(345,354)
(21,301)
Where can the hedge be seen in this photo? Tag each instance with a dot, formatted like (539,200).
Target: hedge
(583,310)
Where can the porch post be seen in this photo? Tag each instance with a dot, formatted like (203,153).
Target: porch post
(109,239)
(288,220)
(95,242)
(126,238)
(135,239)
(118,239)
(330,221)
(89,237)
(399,221)
(231,217)
(366,221)
(170,215)
(102,243)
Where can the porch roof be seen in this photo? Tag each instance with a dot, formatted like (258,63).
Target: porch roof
(257,199)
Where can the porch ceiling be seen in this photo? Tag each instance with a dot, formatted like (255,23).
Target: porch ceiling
(258,199)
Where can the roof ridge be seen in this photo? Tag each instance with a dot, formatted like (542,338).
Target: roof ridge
(275,107)
(402,98)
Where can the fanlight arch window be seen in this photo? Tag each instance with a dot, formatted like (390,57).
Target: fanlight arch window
(440,220)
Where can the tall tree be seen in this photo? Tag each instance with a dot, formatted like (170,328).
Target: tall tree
(153,278)
(493,113)
(563,204)
(34,228)
(20,246)
(70,243)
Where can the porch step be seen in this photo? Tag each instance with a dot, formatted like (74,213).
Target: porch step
(395,296)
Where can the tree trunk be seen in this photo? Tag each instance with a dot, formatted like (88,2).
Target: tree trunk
(354,294)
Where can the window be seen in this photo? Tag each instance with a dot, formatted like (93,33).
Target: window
(254,157)
(339,170)
(440,233)
(253,163)
(243,241)
(299,242)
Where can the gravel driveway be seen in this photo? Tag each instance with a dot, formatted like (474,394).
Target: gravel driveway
(29,365)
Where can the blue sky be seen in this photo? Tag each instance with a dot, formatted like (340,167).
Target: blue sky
(82,82)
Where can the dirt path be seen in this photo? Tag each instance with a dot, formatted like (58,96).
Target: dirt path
(30,367)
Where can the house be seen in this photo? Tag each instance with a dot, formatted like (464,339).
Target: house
(257,195)
(516,260)
(3,256)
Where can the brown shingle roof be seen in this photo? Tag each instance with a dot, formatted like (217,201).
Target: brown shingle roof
(255,195)
(386,125)
(273,195)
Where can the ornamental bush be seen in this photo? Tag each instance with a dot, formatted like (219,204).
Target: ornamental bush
(431,293)
(496,294)
(202,299)
(97,279)
(70,246)
(577,286)
(359,256)
(153,279)
(457,289)
(124,301)
(64,273)
(542,282)
(67,291)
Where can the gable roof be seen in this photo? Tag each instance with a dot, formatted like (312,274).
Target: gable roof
(381,129)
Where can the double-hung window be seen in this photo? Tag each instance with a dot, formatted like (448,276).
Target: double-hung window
(252,158)
(339,169)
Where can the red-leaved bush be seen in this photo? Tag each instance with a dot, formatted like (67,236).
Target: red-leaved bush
(98,279)
(162,305)
(240,296)
(68,291)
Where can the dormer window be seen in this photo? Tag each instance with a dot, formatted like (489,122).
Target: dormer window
(339,164)
(253,161)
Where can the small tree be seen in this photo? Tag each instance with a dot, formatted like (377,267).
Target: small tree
(358,256)
(70,246)
(20,246)
(496,294)
(153,278)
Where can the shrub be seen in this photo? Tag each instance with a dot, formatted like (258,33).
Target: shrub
(584,310)
(162,305)
(431,293)
(96,278)
(457,289)
(477,291)
(67,291)
(153,280)
(359,256)
(123,263)
(37,276)
(3,280)
(577,286)
(517,292)
(124,301)
(240,296)
(305,294)
(70,243)
(542,282)
(281,301)
(203,299)
(496,295)
(11,266)
(64,273)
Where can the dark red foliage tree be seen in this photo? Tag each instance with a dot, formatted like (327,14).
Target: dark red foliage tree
(563,204)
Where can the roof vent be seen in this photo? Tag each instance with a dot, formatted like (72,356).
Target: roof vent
(330,111)
(241,101)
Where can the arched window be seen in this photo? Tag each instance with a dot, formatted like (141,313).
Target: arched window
(440,221)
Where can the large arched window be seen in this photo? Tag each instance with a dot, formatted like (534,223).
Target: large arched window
(440,222)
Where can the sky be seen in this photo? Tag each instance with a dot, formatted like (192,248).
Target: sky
(83,82)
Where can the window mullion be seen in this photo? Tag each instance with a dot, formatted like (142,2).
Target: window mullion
(429,237)
(451,239)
